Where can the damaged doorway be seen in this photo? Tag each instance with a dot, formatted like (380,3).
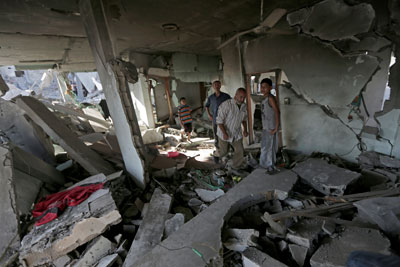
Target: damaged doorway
(254,98)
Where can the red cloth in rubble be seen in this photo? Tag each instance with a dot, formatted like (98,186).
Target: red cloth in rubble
(51,206)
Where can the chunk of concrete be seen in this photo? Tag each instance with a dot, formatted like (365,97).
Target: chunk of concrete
(9,216)
(305,232)
(240,239)
(24,133)
(209,195)
(74,227)
(335,252)
(62,261)
(173,224)
(253,257)
(325,178)
(369,43)
(152,228)
(108,261)
(63,136)
(298,17)
(151,136)
(299,254)
(197,205)
(335,20)
(329,227)
(202,233)
(97,249)
(382,211)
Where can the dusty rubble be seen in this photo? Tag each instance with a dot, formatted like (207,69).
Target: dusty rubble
(314,212)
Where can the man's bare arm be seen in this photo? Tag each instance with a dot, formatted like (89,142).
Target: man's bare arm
(222,127)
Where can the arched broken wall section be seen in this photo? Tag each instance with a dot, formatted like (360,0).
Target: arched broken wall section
(332,72)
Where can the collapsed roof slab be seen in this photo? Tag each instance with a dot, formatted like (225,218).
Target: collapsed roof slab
(199,241)
(63,136)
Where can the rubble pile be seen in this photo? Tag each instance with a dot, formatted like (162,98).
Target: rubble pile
(330,213)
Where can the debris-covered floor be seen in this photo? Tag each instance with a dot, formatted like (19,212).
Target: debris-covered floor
(314,212)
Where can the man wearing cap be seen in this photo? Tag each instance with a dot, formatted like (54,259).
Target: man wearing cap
(212,105)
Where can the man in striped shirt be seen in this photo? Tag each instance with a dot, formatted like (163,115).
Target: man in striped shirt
(232,114)
(185,117)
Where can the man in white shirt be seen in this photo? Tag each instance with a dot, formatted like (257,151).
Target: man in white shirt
(232,114)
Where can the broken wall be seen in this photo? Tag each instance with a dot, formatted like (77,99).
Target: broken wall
(327,73)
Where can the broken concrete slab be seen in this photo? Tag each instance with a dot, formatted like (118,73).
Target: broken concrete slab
(74,227)
(350,240)
(209,195)
(197,205)
(335,20)
(27,189)
(24,133)
(201,233)
(253,257)
(151,136)
(305,232)
(375,159)
(60,134)
(383,211)
(9,216)
(29,164)
(240,239)
(152,228)
(325,178)
(369,43)
(299,253)
(96,250)
(108,261)
(173,224)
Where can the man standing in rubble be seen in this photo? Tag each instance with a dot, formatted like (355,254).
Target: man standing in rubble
(232,114)
(212,105)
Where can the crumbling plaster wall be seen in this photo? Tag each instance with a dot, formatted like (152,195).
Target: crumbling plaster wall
(326,66)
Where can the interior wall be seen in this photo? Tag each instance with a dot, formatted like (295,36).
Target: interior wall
(161,100)
(324,73)
(190,91)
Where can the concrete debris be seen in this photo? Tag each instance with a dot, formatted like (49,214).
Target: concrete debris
(305,232)
(152,228)
(97,249)
(62,261)
(350,240)
(173,224)
(151,136)
(325,178)
(329,227)
(296,204)
(334,19)
(256,188)
(382,211)
(253,257)
(208,195)
(373,159)
(9,220)
(74,227)
(60,134)
(197,205)
(108,261)
(24,133)
(282,245)
(299,254)
(240,239)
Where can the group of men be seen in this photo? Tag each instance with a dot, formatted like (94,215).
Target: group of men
(229,118)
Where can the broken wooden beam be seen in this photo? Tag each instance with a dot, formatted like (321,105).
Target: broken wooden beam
(151,230)
(63,136)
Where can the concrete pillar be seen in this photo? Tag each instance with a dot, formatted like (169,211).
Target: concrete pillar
(141,96)
(115,87)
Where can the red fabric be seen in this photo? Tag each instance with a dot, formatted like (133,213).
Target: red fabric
(51,206)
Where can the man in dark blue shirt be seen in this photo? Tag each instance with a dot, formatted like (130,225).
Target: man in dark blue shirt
(212,105)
